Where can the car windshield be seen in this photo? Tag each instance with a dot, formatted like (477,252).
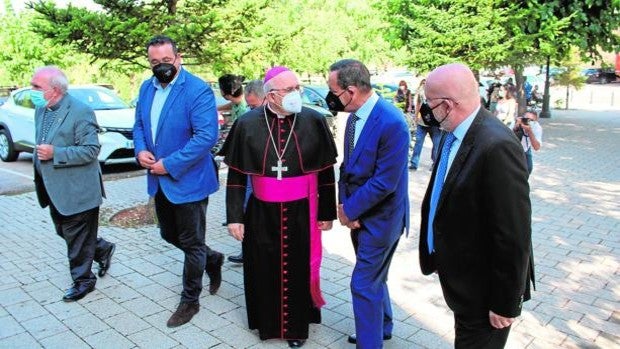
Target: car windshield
(99,98)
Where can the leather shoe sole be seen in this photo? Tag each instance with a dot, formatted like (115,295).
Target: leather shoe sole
(353,338)
(236,259)
(296,343)
(76,293)
(104,265)
(214,271)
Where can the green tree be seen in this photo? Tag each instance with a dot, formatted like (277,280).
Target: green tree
(493,33)
(571,77)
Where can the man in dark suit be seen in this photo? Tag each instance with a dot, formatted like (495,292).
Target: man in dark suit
(476,224)
(68,177)
(373,194)
(176,126)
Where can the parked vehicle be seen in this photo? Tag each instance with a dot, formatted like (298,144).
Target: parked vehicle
(114,116)
(599,75)
(387,91)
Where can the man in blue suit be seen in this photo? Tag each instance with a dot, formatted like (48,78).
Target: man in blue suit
(373,194)
(176,126)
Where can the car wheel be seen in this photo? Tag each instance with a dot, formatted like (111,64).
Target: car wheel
(604,80)
(7,148)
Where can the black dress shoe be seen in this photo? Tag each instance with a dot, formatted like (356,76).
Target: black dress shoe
(214,271)
(104,263)
(353,338)
(296,343)
(78,291)
(236,259)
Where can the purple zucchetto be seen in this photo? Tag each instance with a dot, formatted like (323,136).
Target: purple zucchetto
(273,72)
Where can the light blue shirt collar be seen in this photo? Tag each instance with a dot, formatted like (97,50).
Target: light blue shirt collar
(363,113)
(461,130)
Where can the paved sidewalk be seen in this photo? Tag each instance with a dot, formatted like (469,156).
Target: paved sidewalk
(576,232)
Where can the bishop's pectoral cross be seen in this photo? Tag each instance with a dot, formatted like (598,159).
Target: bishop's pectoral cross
(279,169)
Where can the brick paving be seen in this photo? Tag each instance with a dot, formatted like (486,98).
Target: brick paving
(575,190)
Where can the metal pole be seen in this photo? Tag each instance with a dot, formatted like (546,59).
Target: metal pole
(545,113)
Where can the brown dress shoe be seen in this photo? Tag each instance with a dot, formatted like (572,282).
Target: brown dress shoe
(214,271)
(183,314)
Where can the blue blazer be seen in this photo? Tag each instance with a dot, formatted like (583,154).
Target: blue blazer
(373,183)
(186,132)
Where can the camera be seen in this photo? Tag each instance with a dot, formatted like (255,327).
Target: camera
(525,120)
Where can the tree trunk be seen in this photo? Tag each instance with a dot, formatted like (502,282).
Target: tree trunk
(567,94)
(520,96)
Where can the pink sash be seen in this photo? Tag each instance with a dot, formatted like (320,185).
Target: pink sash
(270,189)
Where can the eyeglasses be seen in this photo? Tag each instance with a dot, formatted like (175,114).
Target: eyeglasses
(443,99)
(288,90)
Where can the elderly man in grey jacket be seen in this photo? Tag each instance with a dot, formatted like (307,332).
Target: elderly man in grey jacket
(68,177)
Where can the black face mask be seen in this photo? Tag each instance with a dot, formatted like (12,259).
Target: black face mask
(334,103)
(165,72)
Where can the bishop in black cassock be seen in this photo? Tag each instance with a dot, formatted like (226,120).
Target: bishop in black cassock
(289,159)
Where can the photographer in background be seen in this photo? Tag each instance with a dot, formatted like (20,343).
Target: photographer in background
(530,132)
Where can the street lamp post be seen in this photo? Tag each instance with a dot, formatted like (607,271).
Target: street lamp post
(545,113)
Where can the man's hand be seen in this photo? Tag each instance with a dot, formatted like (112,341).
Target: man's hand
(342,217)
(237,230)
(158,168)
(146,159)
(354,224)
(45,152)
(499,321)
(325,225)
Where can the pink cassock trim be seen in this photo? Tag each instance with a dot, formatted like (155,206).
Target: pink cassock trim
(270,189)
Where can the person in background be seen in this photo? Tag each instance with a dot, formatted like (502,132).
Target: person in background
(423,112)
(527,89)
(506,110)
(373,194)
(254,98)
(404,98)
(530,132)
(476,214)
(67,176)
(288,153)
(231,87)
(176,126)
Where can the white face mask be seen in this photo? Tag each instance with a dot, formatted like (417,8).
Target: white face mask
(292,102)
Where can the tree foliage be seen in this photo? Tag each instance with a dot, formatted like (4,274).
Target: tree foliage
(241,36)
(491,33)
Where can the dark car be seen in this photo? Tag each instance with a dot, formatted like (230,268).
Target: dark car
(599,75)
(314,97)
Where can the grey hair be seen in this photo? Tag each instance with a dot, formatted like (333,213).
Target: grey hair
(57,79)
(255,87)
(352,72)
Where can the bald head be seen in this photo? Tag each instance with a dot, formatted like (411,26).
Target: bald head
(456,86)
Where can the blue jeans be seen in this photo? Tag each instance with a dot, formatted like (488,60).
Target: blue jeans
(420,136)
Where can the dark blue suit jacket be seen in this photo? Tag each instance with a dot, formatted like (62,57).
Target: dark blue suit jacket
(186,132)
(373,183)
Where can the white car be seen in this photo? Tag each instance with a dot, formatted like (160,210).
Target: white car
(114,116)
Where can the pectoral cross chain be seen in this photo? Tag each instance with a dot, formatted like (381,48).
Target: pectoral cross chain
(279,169)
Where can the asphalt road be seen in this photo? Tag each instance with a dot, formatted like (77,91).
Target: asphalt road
(17,177)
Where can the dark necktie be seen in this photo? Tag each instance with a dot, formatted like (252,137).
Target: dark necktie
(350,131)
(49,117)
(437,186)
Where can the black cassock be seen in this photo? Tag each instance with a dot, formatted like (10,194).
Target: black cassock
(276,245)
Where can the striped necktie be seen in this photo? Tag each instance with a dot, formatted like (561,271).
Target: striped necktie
(350,132)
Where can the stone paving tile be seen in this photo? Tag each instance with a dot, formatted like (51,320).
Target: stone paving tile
(110,339)
(9,327)
(127,323)
(153,339)
(63,341)
(44,326)
(20,341)
(86,324)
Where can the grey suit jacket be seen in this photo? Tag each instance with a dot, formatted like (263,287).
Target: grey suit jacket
(71,181)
